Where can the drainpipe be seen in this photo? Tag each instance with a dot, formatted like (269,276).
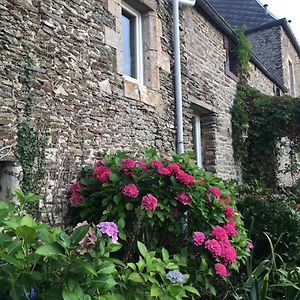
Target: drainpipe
(177,67)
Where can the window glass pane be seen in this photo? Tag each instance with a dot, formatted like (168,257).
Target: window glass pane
(129,44)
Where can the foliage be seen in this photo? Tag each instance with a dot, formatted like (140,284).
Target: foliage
(269,118)
(243,51)
(42,262)
(31,141)
(269,279)
(278,215)
(166,203)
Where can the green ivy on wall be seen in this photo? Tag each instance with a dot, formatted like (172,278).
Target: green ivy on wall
(32,137)
(269,118)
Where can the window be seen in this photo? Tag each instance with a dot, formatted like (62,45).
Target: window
(232,61)
(291,75)
(197,140)
(132,43)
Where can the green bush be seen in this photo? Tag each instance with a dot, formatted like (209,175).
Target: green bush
(278,215)
(166,203)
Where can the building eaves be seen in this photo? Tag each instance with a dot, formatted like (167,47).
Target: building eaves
(286,27)
(225,28)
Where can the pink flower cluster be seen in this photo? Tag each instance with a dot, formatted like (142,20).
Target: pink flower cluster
(215,192)
(128,164)
(228,212)
(102,173)
(149,202)
(221,270)
(183,197)
(198,238)
(214,247)
(130,190)
(89,240)
(76,197)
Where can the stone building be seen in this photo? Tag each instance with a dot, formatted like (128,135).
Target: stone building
(103,80)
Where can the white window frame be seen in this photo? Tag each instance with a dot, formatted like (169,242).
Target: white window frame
(139,43)
(198,141)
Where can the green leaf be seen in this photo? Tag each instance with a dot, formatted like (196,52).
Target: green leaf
(20,196)
(136,277)
(165,255)
(79,233)
(28,221)
(49,250)
(156,291)
(142,249)
(68,295)
(121,223)
(114,177)
(28,234)
(191,290)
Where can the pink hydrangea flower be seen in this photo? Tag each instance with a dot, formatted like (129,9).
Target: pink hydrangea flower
(174,168)
(102,173)
(149,202)
(184,177)
(128,172)
(110,229)
(230,229)
(250,245)
(221,270)
(127,163)
(183,197)
(99,163)
(198,238)
(219,233)
(222,201)
(76,197)
(214,247)
(142,164)
(215,191)
(157,164)
(228,199)
(201,181)
(130,190)
(228,212)
(228,252)
(164,171)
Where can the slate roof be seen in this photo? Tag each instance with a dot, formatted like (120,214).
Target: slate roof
(249,13)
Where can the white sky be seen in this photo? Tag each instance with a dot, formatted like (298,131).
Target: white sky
(289,9)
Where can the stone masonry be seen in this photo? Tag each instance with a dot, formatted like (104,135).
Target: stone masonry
(79,88)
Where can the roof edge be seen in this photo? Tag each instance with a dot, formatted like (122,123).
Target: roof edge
(288,30)
(213,15)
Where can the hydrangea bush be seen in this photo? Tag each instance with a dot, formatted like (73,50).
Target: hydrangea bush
(166,202)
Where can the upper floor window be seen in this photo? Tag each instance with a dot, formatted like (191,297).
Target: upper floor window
(197,140)
(291,75)
(132,43)
(232,60)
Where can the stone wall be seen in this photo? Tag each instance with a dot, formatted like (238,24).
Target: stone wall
(290,56)
(266,44)
(260,81)
(80,91)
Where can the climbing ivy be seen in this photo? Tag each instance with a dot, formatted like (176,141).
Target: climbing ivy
(32,136)
(270,118)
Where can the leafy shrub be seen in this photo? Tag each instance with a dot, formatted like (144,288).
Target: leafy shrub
(166,202)
(278,215)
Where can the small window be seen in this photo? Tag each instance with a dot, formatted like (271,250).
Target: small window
(232,60)
(197,140)
(292,82)
(132,43)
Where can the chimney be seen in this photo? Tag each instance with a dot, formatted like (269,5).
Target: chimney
(266,8)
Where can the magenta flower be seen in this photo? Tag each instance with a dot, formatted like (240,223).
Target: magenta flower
(213,247)
(184,178)
(174,168)
(102,173)
(183,197)
(201,181)
(157,164)
(149,202)
(128,172)
(228,212)
(230,229)
(130,190)
(76,197)
(127,163)
(250,245)
(228,199)
(142,164)
(228,252)
(198,238)
(221,270)
(215,191)
(110,229)
(164,171)
(99,163)
(219,233)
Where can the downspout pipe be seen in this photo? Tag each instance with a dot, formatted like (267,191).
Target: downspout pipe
(177,69)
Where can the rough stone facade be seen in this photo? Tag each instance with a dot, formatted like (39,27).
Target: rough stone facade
(80,91)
